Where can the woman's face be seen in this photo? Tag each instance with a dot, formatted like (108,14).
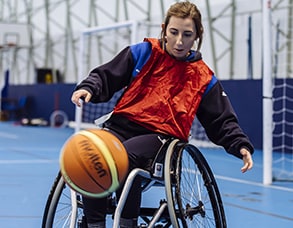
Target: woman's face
(180,36)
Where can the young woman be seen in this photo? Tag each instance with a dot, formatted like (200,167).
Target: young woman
(166,84)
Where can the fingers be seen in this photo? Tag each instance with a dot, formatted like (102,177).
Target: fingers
(88,97)
(247,160)
(246,167)
(77,95)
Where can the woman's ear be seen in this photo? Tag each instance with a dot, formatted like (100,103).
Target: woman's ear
(163,26)
(163,33)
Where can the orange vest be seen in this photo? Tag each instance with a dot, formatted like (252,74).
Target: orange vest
(165,94)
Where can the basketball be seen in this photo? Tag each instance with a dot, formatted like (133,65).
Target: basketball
(93,162)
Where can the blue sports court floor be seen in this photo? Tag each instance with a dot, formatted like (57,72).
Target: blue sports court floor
(29,163)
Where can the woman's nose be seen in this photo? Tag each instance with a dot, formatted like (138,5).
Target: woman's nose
(179,40)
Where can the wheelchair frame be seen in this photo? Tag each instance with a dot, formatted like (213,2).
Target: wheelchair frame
(192,197)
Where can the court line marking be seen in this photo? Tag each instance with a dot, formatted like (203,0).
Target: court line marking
(8,136)
(258,185)
(20,216)
(26,149)
(260,212)
(35,161)
(253,183)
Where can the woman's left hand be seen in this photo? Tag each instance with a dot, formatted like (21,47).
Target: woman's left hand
(247,160)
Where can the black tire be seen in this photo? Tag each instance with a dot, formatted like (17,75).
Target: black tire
(58,208)
(194,199)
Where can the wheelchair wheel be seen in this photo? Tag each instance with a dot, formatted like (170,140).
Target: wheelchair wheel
(58,211)
(192,193)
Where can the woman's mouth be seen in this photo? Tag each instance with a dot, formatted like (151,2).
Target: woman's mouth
(178,50)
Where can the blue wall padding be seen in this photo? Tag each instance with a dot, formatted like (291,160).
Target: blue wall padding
(245,95)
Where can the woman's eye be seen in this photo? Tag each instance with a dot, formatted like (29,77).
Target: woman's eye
(188,34)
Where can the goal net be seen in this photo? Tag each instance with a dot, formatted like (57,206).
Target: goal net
(97,46)
(283,130)
(282,93)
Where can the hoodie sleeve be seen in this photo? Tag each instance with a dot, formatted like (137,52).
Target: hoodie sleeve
(103,81)
(217,116)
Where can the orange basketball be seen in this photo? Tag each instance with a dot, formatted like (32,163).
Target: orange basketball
(93,162)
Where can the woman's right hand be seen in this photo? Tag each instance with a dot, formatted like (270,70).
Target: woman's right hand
(80,94)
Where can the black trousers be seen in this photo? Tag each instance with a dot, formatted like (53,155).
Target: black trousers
(141,150)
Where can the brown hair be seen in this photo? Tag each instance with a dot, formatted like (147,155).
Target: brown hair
(183,10)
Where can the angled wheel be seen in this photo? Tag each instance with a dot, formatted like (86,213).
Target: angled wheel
(59,210)
(192,193)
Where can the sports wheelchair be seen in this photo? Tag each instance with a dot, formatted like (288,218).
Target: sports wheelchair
(192,198)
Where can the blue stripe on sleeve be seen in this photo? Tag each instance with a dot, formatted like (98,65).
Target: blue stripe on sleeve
(140,53)
(211,84)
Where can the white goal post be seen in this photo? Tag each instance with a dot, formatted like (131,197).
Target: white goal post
(132,25)
(267,93)
(277,91)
